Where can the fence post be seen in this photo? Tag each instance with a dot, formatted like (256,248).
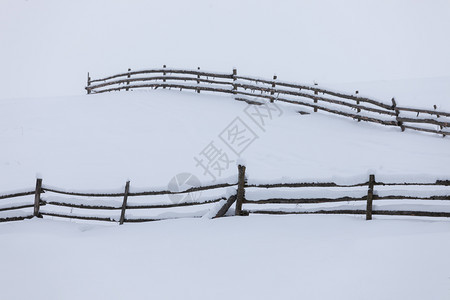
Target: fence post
(124,204)
(164,74)
(358,110)
(273,89)
(198,82)
(128,83)
(234,81)
(315,100)
(370,197)
(37,197)
(241,190)
(397,112)
(88,84)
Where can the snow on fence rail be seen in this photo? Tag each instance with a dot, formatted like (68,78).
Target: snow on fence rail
(407,199)
(252,88)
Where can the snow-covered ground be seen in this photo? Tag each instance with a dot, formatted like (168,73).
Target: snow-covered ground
(97,142)
(256,257)
(49,128)
(100,141)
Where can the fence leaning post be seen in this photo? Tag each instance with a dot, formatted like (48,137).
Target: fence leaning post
(88,89)
(241,190)
(128,83)
(234,81)
(198,81)
(272,92)
(370,197)
(397,112)
(124,204)
(37,197)
(164,74)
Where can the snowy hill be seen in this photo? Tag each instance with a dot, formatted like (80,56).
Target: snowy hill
(97,142)
(50,128)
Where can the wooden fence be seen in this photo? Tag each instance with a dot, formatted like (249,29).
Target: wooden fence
(40,203)
(363,204)
(254,90)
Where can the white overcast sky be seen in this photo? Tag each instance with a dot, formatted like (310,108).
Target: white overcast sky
(48,46)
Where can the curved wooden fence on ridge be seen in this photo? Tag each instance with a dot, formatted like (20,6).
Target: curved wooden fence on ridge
(254,90)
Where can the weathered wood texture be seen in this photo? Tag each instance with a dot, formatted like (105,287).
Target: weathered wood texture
(240,190)
(37,197)
(239,198)
(223,210)
(124,204)
(6,196)
(370,198)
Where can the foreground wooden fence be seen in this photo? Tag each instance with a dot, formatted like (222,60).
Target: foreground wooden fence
(41,207)
(250,89)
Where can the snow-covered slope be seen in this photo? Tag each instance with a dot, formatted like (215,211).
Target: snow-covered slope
(100,141)
(97,142)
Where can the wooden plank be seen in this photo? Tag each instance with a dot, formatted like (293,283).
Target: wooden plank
(128,81)
(17,207)
(424,111)
(323,108)
(234,80)
(370,197)
(411,213)
(354,212)
(82,193)
(438,182)
(319,90)
(124,204)
(240,190)
(93,218)
(444,133)
(88,89)
(304,200)
(167,71)
(17,194)
(223,210)
(82,206)
(163,78)
(400,197)
(146,193)
(427,121)
(37,197)
(198,80)
(303,184)
(273,88)
(324,212)
(182,204)
(140,220)
(9,219)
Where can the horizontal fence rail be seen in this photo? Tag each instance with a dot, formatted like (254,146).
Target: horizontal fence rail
(371,197)
(312,97)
